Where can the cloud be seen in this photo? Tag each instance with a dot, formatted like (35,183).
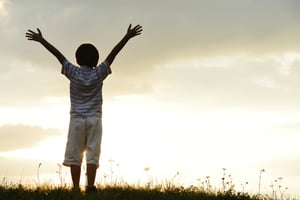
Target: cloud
(173,30)
(27,85)
(21,136)
(239,81)
(211,27)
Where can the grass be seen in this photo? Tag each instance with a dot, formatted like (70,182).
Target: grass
(121,192)
(115,189)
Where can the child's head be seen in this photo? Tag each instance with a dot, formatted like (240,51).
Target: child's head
(88,55)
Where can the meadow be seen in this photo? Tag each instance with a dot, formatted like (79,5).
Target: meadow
(119,192)
(112,188)
(123,191)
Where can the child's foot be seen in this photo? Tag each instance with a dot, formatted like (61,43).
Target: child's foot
(90,189)
(76,189)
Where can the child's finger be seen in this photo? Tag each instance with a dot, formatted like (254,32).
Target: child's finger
(129,27)
(30,31)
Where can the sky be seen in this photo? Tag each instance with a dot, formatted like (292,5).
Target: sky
(209,85)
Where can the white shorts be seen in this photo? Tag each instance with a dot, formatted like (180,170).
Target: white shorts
(84,135)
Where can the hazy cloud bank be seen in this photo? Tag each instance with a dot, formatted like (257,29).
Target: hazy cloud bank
(21,136)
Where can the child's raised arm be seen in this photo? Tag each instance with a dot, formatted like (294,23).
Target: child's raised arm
(38,37)
(131,32)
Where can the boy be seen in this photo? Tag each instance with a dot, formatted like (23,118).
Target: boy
(85,128)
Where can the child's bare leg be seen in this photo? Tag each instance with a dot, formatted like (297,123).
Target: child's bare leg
(91,174)
(75,173)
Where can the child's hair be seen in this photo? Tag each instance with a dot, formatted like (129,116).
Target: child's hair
(87,54)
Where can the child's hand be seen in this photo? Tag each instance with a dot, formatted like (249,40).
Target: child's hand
(132,32)
(31,35)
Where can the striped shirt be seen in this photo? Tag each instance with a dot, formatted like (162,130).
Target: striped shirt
(86,88)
